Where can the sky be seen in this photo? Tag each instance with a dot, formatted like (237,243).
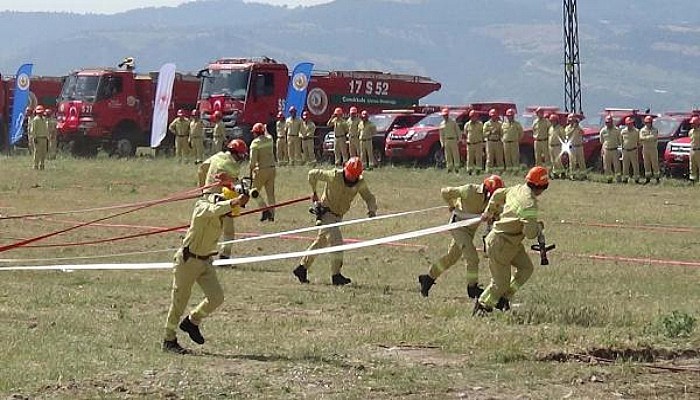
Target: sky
(110,7)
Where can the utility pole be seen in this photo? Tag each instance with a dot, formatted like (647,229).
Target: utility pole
(572,62)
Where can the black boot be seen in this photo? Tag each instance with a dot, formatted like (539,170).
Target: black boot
(658,180)
(172,346)
(192,330)
(300,273)
(339,280)
(266,216)
(426,282)
(647,180)
(474,291)
(481,310)
(503,304)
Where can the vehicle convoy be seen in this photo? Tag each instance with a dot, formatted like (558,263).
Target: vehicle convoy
(250,90)
(386,121)
(112,109)
(421,142)
(676,153)
(43,90)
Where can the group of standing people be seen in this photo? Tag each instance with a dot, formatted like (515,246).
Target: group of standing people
(189,135)
(629,139)
(295,138)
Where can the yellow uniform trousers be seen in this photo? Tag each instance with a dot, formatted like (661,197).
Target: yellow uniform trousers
(354,146)
(511,151)
(462,244)
(182,147)
(308,151)
(577,161)
(611,162)
(694,164)
(503,254)
(53,147)
(264,178)
(651,161)
(452,159)
(475,156)
(340,151)
(542,154)
(630,160)
(197,144)
(229,234)
(367,153)
(555,156)
(282,154)
(294,150)
(41,148)
(185,274)
(327,237)
(494,155)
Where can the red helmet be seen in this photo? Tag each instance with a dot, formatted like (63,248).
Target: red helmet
(629,121)
(305,115)
(338,112)
(492,183)
(648,119)
(364,114)
(608,119)
(553,118)
(695,120)
(353,169)
(510,112)
(538,176)
(353,110)
(473,114)
(292,109)
(493,112)
(572,117)
(181,113)
(237,146)
(48,112)
(194,113)
(39,109)
(280,115)
(258,129)
(445,112)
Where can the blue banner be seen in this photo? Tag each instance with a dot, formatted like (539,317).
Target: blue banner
(21,100)
(298,85)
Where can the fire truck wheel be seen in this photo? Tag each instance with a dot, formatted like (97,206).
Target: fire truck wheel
(82,147)
(378,155)
(124,148)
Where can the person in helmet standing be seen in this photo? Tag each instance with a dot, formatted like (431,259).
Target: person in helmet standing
(474,137)
(193,261)
(610,140)
(577,160)
(494,147)
(449,140)
(292,129)
(227,160)
(308,136)
(367,131)
(218,132)
(694,135)
(514,213)
(197,136)
(39,134)
(53,133)
(180,127)
(649,138)
(340,132)
(353,133)
(342,185)
(281,145)
(556,138)
(630,153)
(262,168)
(540,133)
(465,202)
(512,133)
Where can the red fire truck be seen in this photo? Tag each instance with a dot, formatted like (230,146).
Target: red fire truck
(113,109)
(250,90)
(43,90)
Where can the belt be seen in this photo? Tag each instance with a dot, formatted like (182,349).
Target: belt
(509,141)
(292,135)
(695,148)
(478,142)
(611,148)
(576,145)
(182,135)
(268,167)
(186,253)
(541,140)
(555,145)
(633,149)
(307,138)
(494,140)
(365,140)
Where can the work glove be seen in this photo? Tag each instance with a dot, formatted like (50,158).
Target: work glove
(314,197)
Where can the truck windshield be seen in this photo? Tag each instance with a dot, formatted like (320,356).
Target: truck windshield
(666,126)
(431,120)
(382,121)
(77,87)
(226,82)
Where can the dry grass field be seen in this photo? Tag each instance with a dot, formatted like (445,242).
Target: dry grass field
(97,334)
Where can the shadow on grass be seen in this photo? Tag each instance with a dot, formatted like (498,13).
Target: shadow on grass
(316,359)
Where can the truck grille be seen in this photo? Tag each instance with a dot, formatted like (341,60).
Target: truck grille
(397,138)
(680,149)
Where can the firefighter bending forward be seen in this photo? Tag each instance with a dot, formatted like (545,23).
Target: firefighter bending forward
(262,168)
(465,202)
(504,246)
(192,262)
(227,160)
(342,185)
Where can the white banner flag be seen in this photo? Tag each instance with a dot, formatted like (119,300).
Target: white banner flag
(164,93)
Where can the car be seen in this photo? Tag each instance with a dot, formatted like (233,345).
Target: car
(673,138)
(386,121)
(421,142)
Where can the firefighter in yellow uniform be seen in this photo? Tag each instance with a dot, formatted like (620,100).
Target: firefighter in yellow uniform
(449,141)
(465,202)
(518,220)
(236,151)
(694,135)
(340,132)
(53,133)
(308,135)
(367,131)
(610,140)
(193,263)
(630,152)
(474,137)
(556,138)
(353,133)
(577,160)
(180,127)
(262,169)
(342,185)
(494,147)
(292,129)
(649,138)
(29,114)
(540,134)
(281,145)
(197,136)
(39,132)
(512,133)
(218,132)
